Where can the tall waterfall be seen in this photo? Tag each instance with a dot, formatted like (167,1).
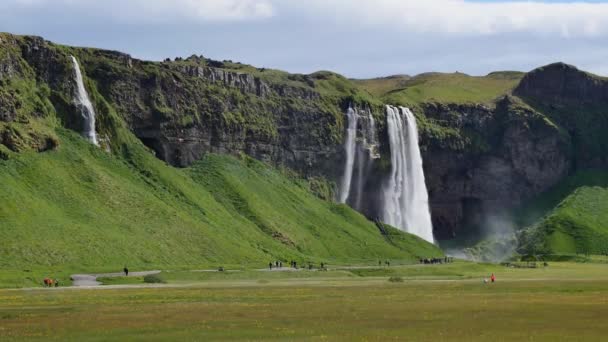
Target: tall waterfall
(405,195)
(84,104)
(349,146)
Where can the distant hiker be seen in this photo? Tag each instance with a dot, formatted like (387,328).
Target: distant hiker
(56,283)
(126,270)
(270,265)
(280,264)
(276,263)
(295,265)
(379,263)
(322,266)
(493,278)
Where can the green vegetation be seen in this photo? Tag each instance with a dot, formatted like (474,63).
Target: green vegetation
(76,208)
(566,296)
(441,87)
(380,86)
(86,210)
(576,226)
(567,220)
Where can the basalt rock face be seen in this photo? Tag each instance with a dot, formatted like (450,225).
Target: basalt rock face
(561,84)
(185,109)
(510,154)
(478,159)
(575,100)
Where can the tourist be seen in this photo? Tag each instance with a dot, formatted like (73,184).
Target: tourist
(270,265)
(126,270)
(493,278)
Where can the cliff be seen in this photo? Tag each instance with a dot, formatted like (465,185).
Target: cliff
(480,158)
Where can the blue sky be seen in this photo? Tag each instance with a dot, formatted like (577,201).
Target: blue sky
(358,38)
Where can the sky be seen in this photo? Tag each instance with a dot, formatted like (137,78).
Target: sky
(357,38)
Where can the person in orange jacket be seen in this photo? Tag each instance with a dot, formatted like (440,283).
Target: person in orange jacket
(493,278)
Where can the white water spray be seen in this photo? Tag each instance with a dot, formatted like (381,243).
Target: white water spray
(405,195)
(84,104)
(349,146)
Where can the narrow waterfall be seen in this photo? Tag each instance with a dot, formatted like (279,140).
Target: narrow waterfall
(84,104)
(405,195)
(349,146)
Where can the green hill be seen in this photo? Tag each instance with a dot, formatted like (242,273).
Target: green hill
(572,218)
(80,208)
(442,87)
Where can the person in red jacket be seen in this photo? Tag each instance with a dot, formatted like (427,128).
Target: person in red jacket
(493,278)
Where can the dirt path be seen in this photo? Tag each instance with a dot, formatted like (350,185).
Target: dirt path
(91,279)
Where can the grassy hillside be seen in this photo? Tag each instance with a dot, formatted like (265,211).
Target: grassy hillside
(80,208)
(578,225)
(568,219)
(442,87)
(383,85)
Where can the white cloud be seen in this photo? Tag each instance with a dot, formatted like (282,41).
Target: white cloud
(459,17)
(157,10)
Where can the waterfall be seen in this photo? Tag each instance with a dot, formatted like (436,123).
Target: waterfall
(405,195)
(83,103)
(349,146)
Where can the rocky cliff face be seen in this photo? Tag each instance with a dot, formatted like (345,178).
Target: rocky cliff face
(561,84)
(512,154)
(577,102)
(478,159)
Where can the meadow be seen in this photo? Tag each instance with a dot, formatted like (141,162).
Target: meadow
(564,301)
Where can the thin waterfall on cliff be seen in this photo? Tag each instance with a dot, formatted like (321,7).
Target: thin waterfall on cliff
(84,105)
(349,146)
(405,195)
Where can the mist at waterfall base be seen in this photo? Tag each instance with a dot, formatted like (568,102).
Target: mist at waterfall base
(403,197)
(497,243)
(84,104)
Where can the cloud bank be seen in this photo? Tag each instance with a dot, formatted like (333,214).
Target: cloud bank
(156,10)
(459,17)
(359,38)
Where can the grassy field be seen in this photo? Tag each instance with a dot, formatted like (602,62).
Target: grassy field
(442,87)
(560,302)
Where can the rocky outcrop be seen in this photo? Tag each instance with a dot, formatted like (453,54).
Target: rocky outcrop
(519,155)
(576,101)
(563,84)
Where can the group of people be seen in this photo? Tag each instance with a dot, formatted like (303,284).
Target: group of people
(386,262)
(293,264)
(432,261)
(50,282)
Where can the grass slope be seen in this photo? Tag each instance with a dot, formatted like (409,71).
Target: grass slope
(568,219)
(578,225)
(79,208)
(442,87)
